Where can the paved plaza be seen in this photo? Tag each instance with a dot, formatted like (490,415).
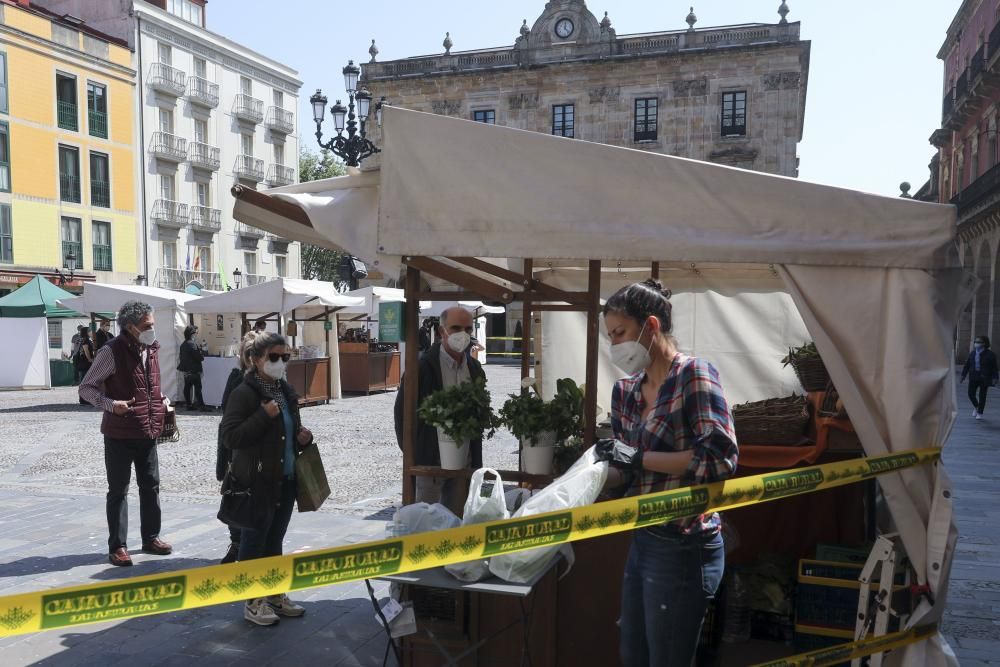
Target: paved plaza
(53,533)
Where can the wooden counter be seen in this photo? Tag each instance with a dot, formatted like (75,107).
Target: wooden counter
(365,371)
(310,378)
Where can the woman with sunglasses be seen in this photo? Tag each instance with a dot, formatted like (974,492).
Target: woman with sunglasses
(261,426)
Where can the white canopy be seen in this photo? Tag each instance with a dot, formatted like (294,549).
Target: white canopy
(281,295)
(371,297)
(477,308)
(168,311)
(876,280)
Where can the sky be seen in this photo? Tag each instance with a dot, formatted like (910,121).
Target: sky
(875,83)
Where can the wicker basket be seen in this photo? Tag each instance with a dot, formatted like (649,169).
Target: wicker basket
(829,405)
(775,421)
(811,373)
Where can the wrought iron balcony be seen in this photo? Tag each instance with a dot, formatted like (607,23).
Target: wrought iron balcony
(102,258)
(203,156)
(97,122)
(203,92)
(977,65)
(977,191)
(248,231)
(178,279)
(948,104)
(254,279)
(280,175)
(206,219)
(76,248)
(280,120)
(962,86)
(278,238)
(169,213)
(168,146)
(248,108)
(69,188)
(100,193)
(249,167)
(67,114)
(167,79)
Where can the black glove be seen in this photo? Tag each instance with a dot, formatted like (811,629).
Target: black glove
(618,454)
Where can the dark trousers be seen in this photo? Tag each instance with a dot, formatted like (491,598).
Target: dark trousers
(266,541)
(193,380)
(119,457)
(977,390)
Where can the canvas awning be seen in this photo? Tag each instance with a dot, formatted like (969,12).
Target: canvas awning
(36,298)
(281,295)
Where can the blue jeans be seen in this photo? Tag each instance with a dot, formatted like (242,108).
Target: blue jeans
(266,541)
(669,580)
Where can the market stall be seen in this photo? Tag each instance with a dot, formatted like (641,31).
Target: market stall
(367,364)
(875,281)
(168,312)
(313,304)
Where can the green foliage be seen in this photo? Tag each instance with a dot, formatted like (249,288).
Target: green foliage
(802,352)
(319,263)
(526,415)
(462,411)
(566,409)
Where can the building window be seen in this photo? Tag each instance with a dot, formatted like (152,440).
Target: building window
(100,181)
(66,102)
(250,263)
(204,195)
(3,82)
(69,174)
(201,68)
(279,99)
(246,86)
(164,54)
(55,334)
(101,233)
(563,120)
(4,157)
(71,241)
(488,116)
(734,114)
(201,131)
(279,155)
(97,110)
(645,119)
(169,249)
(203,262)
(167,187)
(166,121)
(6,235)
(281,266)
(186,9)
(246,143)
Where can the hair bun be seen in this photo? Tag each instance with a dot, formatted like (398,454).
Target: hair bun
(655,284)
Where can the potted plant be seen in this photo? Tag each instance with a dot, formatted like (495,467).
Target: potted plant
(460,414)
(566,409)
(538,424)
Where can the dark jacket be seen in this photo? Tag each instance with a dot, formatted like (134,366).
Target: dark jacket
(257,441)
(101,338)
(988,368)
(190,358)
(429,369)
(223,455)
(131,380)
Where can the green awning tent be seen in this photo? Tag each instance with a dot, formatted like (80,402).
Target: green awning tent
(36,298)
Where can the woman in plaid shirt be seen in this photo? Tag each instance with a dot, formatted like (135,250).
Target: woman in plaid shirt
(672,410)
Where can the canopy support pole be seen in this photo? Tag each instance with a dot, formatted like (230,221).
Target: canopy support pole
(654,271)
(525,341)
(593,321)
(411,378)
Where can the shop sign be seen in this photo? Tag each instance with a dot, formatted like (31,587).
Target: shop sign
(390,323)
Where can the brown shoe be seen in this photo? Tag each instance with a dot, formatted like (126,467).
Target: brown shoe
(157,547)
(120,557)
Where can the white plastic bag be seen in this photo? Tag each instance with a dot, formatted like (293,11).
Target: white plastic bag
(515,498)
(485,503)
(579,486)
(421,518)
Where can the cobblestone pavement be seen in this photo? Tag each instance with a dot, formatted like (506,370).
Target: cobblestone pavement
(53,533)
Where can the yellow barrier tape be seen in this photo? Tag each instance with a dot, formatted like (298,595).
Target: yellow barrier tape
(859,649)
(221,584)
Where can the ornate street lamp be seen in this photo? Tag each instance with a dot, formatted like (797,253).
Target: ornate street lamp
(355,146)
(71,265)
(237,277)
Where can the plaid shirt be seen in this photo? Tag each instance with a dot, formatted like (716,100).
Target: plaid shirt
(691,414)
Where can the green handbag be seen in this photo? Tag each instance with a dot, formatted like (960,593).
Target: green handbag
(313,488)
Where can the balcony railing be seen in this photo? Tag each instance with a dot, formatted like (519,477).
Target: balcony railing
(204,218)
(102,258)
(98,123)
(977,64)
(203,156)
(169,213)
(69,188)
(254,279)
(248,108)
(962,85)
(168,146)
(167,79)
(280,120)
(243,229)
(178,279)
(280,175)
(68,113)
(978,190)
(994,42)
(204,92)
(72,247)
(249,167)
(100,193)
(948,104)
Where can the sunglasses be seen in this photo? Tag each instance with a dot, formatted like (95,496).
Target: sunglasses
(274,356)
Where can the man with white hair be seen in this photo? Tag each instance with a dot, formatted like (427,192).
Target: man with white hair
(447,363)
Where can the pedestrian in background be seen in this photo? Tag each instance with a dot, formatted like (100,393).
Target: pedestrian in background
(125,382)
(84,357)
(223,455)
(103,334)
(190,365)
(982,370)
(74,351)
(261,426)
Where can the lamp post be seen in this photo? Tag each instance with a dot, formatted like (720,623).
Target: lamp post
(71,265)
(237,277)
(355,146)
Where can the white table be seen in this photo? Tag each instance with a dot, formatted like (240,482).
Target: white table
(213,380)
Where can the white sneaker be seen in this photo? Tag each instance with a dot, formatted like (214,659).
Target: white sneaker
(975,413)
(978,416)
(260,612)
(282,606)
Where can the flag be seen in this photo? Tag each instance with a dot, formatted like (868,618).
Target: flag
(222,278)
(188,265)
(197,261)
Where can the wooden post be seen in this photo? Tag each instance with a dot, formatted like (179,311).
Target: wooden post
(411,379)
(593,321)
(654,271)
(526,325)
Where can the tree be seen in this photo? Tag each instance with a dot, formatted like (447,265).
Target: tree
(319,263)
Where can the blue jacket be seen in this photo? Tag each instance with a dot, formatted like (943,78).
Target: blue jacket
(987,365)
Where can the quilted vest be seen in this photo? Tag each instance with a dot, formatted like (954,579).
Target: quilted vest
(130,380)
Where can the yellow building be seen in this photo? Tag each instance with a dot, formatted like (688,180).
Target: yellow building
(68,151)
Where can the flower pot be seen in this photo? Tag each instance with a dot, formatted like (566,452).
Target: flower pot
(541,439)
(537,460)
(453,455)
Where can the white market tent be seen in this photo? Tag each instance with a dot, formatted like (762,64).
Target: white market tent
(168,311)
(876,280)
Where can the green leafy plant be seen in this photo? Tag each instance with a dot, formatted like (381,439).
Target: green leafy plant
(567,453)
(526,415)
(802,352)
(566,409)
(462,411)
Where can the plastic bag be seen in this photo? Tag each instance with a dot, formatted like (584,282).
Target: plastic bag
(580,486)
(485,503)
(421,518)
(515,498)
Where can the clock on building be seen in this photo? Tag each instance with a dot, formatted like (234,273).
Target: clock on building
(564,28)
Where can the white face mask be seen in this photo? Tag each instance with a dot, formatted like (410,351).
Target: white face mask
(631,356)
(459,341)
(274,369)
(147,337)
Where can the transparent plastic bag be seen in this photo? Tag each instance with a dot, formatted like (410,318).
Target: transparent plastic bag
(422,518)
(485,503)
